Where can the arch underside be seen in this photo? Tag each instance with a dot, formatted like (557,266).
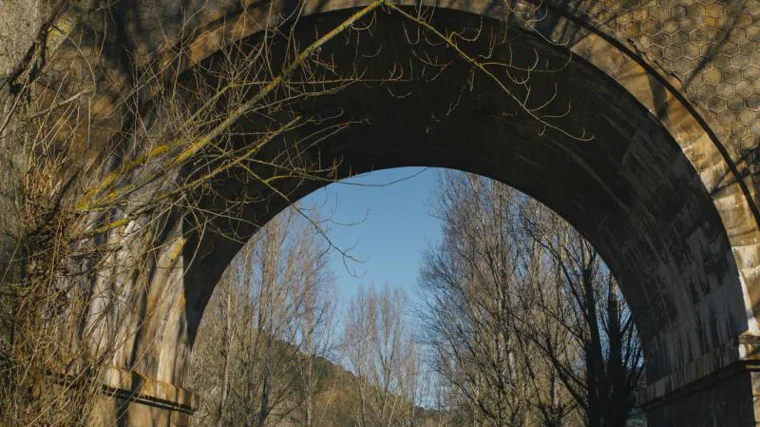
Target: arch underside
(632,190)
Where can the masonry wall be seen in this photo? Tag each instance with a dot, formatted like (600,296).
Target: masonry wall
(19,24)
(726,402)
(709,48)
(712,50)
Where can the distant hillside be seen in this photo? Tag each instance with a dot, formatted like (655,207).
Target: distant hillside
(335,399)
(339,386)
(338,392)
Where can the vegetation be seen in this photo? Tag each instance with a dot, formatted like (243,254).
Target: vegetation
(526,324)
(540,335)
(522,325)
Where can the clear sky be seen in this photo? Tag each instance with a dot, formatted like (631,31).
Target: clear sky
(388,212)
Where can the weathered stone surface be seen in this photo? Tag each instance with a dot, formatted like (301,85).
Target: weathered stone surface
(19,23)
(667,190)
(728,400)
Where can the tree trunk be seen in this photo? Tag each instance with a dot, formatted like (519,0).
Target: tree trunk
(227,337)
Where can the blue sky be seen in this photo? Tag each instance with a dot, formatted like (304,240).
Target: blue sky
(388,212)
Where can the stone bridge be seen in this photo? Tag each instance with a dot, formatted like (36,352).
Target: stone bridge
(648,147)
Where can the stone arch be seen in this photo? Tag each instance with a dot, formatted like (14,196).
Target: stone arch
(654,191)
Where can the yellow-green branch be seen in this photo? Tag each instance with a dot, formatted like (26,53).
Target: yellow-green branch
(85,202)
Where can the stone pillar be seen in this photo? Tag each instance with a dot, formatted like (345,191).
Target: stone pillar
(143,386)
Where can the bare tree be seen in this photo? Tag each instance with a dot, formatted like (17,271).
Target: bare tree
(594,316)
(314,327)
(525,320)
(217,348)
(267,324)
(379,349)
(94,213)
(470,283)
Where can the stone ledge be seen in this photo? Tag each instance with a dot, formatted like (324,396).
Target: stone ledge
(738,355)
(132,386)
(135,387)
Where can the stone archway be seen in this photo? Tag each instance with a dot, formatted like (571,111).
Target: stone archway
(655,191)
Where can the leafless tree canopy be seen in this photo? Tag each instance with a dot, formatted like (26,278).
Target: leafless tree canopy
(522,325)
(526,323)
(268,326)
